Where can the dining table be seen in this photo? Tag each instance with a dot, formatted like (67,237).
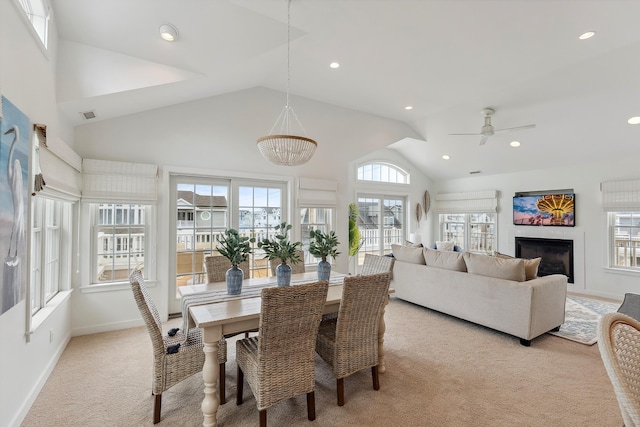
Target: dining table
(218,314)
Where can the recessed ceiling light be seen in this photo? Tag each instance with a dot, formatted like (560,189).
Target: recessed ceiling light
(446,157)
(634,120)
(515,143)
(168,32)
(408,107)
(334,65)
(587,35)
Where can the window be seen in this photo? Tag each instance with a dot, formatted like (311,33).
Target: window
(37,13)
(382,172)
(381,224)
(204,210)
(314,219)
(475,232)
(51,248)
(119,232)
(624,240)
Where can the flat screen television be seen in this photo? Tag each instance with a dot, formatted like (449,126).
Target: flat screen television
(544,210)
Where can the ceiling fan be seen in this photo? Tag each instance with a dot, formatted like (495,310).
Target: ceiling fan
(488,130)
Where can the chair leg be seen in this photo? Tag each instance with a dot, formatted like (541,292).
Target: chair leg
(156,408)
(263,418)
(340,390)
(376,378)
(223,396)
(311,406)
(240,381)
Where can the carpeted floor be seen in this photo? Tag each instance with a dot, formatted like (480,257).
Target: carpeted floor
(441,371)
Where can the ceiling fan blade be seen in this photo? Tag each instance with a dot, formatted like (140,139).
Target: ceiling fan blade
(483,140)
(514,128)
(476,134)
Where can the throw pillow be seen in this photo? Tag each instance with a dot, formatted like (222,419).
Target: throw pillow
(444,246)
(447,260)
(407,254)
(530,265)
(412,245)
(500,268)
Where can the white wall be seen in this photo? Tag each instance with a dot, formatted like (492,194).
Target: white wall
(589,255)
(27,79)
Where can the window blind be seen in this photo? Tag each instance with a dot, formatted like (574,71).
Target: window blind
(467,202)
(621,196)
(56,167)
(317,193)
(108,181)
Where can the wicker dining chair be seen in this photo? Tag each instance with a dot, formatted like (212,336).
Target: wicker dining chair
(171,368)
(217,266)
(376,264)
(280,362)
(295,268)
(619,345)
(349,342)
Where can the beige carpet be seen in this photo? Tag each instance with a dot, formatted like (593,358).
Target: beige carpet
(441,371)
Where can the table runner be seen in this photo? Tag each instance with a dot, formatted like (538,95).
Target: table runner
(207,297)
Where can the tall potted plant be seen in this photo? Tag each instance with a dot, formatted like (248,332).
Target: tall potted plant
(281,248)
(323,245)
(236,249)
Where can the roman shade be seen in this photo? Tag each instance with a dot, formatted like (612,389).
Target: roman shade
(621,196)
(317,193)
(119,182)
(468,202)
(59,167)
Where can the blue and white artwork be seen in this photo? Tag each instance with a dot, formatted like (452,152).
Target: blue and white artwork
(14,172)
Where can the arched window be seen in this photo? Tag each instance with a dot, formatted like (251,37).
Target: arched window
(382,172)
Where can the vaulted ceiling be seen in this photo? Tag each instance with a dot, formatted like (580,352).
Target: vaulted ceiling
(446,59)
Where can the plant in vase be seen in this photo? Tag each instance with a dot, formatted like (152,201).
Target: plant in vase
(236,249)
(323,245)
(280,247)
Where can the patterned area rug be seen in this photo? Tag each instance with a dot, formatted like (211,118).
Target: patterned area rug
(581,319)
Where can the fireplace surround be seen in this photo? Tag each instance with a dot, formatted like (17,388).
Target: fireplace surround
(556,254)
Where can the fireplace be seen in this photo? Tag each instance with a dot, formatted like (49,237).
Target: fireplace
(556,254)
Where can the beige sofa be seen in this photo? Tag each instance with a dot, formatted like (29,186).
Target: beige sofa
(490,291)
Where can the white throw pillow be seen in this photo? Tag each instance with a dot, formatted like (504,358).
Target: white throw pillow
(407,254)
(445,246)
(447,260)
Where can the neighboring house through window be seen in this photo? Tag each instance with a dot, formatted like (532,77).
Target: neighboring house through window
(621,202)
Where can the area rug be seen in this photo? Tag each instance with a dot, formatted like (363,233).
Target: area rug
(581,319)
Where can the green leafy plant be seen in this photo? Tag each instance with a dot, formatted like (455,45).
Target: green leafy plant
(354,232)
(323,245)
(234,247)
(280,247)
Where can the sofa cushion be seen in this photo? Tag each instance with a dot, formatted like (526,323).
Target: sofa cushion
(448,260)
(530,265)
(444,246)
(408,254)
(499,268)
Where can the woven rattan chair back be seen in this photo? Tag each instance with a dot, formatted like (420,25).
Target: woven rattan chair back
(376,264)
(171,368)
(295,268)
(217,266)
(280,362)
(619,344)
(349,342)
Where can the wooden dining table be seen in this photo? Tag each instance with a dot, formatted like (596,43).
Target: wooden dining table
(224,315)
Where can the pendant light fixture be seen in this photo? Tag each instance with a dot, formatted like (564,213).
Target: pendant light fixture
(284,148)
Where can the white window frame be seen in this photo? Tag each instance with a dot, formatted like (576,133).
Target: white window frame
(383,247)
(325,227)
(378,171)
(37,16)
(627,245)
(465,242)
(149,242)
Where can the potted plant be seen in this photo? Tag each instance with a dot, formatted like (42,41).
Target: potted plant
(323,245)
(236,249)
(280,247)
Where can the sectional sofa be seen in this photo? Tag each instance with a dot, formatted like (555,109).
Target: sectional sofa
(501,293)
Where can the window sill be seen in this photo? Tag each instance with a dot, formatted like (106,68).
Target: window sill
(116,286)
(624,271)
(42,314)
